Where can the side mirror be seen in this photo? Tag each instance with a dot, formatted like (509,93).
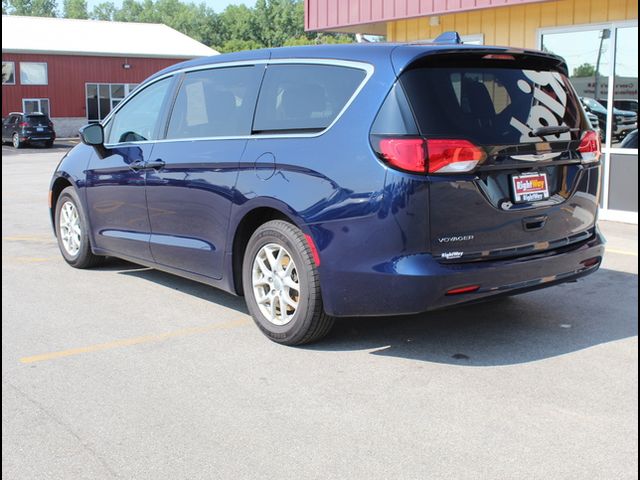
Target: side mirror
(93,135)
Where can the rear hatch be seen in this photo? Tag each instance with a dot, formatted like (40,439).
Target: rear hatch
(38,124)
(510,154)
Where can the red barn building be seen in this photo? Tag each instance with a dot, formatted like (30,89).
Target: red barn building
(76,71)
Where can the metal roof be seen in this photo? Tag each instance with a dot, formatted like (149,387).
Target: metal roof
(65,36)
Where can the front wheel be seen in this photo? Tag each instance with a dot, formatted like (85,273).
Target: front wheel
(72,231)
(282,287)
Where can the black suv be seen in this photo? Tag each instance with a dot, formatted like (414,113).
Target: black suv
(23,128)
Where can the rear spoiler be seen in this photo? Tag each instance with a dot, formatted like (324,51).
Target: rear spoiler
(409,56)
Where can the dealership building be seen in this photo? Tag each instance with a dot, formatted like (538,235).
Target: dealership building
(598,39)
(76,71)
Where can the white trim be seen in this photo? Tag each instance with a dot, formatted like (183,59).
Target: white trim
(607,148)
(14,72)
(622,151)
(618,216)
(127,88)
(367,67)
(46,72)
(39,100)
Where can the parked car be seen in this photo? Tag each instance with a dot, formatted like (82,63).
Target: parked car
(25,128)
(627,104)
(595,123)
(631,140)
(623,121)
(347,180)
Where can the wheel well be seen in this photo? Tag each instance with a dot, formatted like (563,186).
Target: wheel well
(58,186)
(246,227)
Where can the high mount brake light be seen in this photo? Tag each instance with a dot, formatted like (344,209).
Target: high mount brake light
(498,56)
(590,147)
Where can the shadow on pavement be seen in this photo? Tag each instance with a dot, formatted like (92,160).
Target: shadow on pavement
(546,323)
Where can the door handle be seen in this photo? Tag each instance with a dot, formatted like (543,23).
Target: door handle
(137,165)
(155,165)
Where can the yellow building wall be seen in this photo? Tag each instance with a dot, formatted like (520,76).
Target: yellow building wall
(515,26)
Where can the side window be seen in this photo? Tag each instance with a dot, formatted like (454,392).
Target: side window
(304,97)
(215,103)
(136,121)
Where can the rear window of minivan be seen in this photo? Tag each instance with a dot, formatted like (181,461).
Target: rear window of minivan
(492,106)
(304,97)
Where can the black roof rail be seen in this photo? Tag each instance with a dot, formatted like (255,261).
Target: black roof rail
(449,38)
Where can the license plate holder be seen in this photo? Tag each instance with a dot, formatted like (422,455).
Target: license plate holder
(39,129)
(530,187)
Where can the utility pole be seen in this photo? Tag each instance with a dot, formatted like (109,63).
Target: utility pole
(605,34)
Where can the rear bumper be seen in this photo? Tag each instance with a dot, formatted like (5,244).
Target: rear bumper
(419,283)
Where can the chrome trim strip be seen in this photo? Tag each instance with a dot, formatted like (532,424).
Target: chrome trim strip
(367,67)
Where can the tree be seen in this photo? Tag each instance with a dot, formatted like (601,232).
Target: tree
(104,11)
(33,8)
(75,9)
(584,70)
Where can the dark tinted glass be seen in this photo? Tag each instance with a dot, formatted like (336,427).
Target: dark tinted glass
(492,106)
(304,97)
(215,103)
(395,117)
(37,120)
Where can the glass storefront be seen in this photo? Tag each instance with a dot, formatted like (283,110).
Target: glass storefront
(603,66)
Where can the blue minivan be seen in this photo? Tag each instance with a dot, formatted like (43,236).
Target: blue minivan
(350,180)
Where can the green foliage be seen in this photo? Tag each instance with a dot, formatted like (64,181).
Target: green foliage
(33,8)
(584,70)
(271,23)
(75,9)
(104,11)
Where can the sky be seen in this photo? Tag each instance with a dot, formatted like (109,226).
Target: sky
(217,5)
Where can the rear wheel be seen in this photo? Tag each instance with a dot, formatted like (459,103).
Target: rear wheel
(282,287)
(16,141)
(48,143)
(72,231)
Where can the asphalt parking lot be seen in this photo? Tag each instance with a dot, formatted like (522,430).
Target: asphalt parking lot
(126,372)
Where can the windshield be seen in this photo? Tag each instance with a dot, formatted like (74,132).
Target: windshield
(594,105)
(493,106)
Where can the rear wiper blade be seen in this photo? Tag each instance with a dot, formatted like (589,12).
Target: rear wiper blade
(544,131)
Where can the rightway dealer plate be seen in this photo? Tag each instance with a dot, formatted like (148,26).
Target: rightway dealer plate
(530,187)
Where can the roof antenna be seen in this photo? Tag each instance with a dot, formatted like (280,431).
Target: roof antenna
(449,38)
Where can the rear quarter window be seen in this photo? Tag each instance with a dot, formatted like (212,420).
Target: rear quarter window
(304,97)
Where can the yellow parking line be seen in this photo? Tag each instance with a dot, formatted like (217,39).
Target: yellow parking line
(28,259)
(133,341)
(29,238)
(622,252)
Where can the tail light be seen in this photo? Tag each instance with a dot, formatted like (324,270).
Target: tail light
(23,125)
(417,155)
(405,153)
(453,156)
(590,147)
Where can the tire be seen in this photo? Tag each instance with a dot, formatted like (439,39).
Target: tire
(48,143)
(77,249)
(306,322)
(15,139)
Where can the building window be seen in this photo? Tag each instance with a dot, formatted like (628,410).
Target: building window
(33,105)
(33,73)
(8,73)
(103,97)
